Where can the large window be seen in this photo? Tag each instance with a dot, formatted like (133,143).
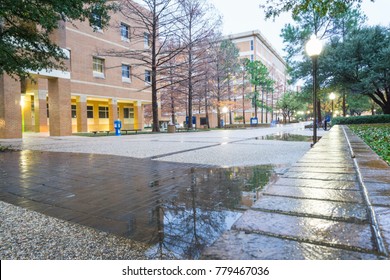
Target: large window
(125,32)
(90,112)
(98,67)
(103,112)
(126,73)
(146,40)
(128,113)
(147,77)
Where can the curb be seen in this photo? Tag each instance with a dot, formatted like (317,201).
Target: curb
(374,178)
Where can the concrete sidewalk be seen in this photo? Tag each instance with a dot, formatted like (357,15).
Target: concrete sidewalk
(332,204)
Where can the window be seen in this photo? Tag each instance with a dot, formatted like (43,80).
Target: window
(252,58)
(98,67)
(125,32)
(146,40)
(90,112)
(147,76)
(128,113)
(103,112)
(74,110)
(125,72)
(252,47)
(96,21)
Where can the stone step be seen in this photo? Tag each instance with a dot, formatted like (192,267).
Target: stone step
(332,210)
(337,234)
(315,193)
(238,245)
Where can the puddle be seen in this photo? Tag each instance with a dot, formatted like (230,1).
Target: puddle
(195,215)
(178,209)
(287,137)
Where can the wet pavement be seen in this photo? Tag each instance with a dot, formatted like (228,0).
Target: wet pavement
(315,209)
(329,205)
(177,208)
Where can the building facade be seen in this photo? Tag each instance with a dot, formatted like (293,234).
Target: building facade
(255,47)
(91,94)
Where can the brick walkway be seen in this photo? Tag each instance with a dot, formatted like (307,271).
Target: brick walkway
(322,208)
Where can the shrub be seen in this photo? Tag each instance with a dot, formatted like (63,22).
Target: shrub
(376,136)
(362,119)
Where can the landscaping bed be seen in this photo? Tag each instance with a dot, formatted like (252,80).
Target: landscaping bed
(377,136)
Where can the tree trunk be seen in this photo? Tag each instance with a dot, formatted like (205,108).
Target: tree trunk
(243,98)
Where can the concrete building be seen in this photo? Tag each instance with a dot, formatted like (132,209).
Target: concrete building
(93,92)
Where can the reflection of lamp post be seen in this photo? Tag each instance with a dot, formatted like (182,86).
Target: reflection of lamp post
(313,49)
(332,97)
(225,110)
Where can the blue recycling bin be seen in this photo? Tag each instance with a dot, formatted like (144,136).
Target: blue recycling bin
(254,121)
(117,126)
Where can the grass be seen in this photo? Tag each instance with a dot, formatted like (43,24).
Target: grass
(377,136)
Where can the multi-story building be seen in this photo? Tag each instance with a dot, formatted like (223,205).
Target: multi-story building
(255,47)
(94,91)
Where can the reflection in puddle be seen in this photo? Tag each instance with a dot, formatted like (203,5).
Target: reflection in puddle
(287,137)
(207,203)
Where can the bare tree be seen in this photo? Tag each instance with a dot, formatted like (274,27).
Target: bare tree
(197,22)
(154,27)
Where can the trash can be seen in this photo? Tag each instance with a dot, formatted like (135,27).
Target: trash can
(171,128)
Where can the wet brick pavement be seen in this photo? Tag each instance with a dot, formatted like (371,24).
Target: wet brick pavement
(177,206)
(319,209)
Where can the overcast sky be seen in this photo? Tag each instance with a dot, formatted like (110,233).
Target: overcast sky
(245,15)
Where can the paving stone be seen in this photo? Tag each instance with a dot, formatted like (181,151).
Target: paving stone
(376,175)
(383,217)
(315,193)
(314,230)
(237,245)
(321,176)
(313,183)
(323,169)
(342,211)
(379,193)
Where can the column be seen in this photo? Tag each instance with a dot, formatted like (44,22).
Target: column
(81,112)
(10,110)
(60,107)
(27,113)
(112,112)
(40,103)
(138,115)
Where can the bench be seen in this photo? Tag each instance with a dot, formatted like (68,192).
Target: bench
(100,131)
(127,130)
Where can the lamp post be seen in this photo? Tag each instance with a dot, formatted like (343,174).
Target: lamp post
(313,49)
(332,97)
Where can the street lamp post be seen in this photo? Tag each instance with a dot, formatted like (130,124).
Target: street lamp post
(332,97)
(313,49)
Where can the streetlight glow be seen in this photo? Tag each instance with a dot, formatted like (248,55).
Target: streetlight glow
(314,46)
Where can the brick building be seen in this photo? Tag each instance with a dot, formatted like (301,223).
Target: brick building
(93,92)
(255,47)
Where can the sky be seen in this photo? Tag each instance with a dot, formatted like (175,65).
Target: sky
(245,15)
